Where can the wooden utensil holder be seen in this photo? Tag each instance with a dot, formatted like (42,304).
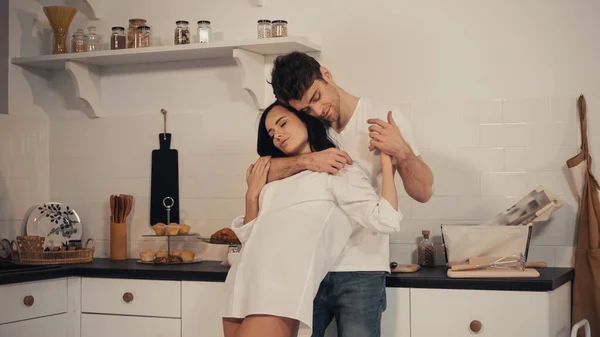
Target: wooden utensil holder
(118,241)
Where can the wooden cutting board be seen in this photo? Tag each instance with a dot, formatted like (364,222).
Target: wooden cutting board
(164,181)
(494,273)
(406,268)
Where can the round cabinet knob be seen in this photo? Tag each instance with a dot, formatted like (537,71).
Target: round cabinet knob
(475,326)
(28,300)
(127,297)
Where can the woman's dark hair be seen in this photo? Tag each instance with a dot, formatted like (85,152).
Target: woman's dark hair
(316,129)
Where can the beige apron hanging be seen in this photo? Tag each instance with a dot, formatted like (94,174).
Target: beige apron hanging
(586,286)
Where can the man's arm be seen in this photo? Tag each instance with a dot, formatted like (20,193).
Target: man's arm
(331,161)
(416,176)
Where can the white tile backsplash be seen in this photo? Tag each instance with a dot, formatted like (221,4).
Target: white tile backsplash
(506,183)
(506,135)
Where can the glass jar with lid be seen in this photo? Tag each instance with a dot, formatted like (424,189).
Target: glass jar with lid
(142,37)
(132,31)
(93,40)
(78,42)
(117,38)
(204,31)
(182,32)
(279,28)
(264,29)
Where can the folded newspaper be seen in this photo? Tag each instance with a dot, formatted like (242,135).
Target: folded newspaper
(537,206)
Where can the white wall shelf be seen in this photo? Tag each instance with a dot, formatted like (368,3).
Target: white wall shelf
(250,56)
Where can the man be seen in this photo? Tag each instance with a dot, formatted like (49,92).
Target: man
(354,291)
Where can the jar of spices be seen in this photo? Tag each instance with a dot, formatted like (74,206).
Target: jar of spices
(182,32)
(78,42)
(132,31)
(264,29)
(118,39)
(426,251)
(142,37)
(93,40)
(204,31)
(279,28)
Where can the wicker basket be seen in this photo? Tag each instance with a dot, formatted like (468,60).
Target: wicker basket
(83,255)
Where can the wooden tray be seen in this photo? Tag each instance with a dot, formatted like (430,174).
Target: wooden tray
(494,273)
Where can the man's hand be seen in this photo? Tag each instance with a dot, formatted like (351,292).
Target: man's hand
(386,137)
(331,160)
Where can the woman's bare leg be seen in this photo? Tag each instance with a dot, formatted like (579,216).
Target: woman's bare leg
(231,326)
(267,326)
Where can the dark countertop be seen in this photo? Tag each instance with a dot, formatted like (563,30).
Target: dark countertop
(212,271)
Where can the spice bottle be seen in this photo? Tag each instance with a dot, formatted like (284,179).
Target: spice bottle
(78,41)
(132,31)
(93,40)
(279,28)
(182,32)
(204,31)
(426,251)
(142,37)
(264,29)
(117,38)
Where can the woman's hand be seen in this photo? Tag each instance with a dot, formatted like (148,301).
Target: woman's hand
(256,176)
(386,160)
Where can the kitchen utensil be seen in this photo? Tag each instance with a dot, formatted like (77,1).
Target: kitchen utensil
(490,259)
(494,273)
(164,179)
(118,228)
(505,262)
(57,222)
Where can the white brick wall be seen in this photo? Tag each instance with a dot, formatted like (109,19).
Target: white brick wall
(493,112)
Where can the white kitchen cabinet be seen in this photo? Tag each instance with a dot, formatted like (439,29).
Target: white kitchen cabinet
(93,325)
(48,326)
(131,297)
(461,313)
(28,300)
(200,304)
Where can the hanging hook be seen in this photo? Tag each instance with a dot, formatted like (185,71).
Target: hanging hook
(164,112)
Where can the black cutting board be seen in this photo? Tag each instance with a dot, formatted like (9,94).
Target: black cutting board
(164,181)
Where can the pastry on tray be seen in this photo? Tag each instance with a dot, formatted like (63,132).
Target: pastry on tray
(147,255)
(225,236)
(173,228)
(175,252)
(184,229)
(160,228)
(187,255)
(162,253)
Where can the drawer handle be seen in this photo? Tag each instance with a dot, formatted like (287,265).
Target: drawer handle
(127,297)
(475,326)
(28,300)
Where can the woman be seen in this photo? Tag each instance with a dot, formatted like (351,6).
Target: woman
(294,229)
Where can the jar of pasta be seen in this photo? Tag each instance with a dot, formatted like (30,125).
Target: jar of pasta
(279,28)
(142,37)
(132,31)
(264,29)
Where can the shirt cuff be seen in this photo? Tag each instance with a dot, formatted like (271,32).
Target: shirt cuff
(388,216)
(242,231)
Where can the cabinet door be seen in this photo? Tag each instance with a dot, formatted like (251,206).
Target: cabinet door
(27,300)
(49,326)
(486,313)
(200,303)
(93,325)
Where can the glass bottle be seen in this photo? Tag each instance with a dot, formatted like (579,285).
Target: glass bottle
(264,29)
(93,40)
(118,39)
(142,37)
(426,251)
(279,28)
(182,32)
(78,42)
(132,31)
(204,31)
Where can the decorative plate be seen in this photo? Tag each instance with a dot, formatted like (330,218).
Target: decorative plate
(57,222)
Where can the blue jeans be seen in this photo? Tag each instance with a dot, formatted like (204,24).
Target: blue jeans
(356,300)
